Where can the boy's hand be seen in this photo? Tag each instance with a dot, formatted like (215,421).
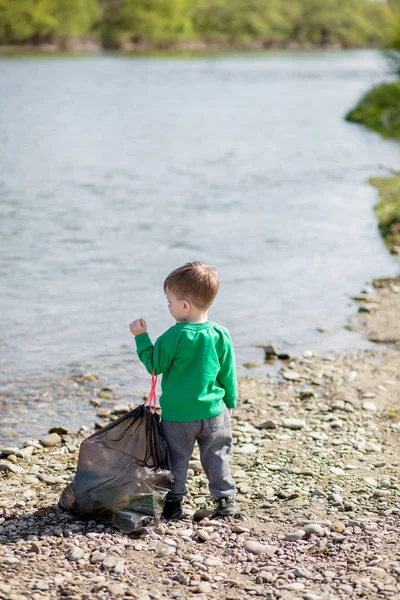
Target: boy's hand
(137,327)
(230,411)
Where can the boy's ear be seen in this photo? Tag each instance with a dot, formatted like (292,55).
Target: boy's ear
(185,304)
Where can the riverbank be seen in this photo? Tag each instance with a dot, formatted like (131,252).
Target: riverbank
(316,461)
(181,47)
(379,110)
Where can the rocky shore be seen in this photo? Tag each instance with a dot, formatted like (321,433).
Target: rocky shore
(316,461)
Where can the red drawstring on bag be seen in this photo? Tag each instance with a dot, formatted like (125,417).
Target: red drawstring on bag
(152,397)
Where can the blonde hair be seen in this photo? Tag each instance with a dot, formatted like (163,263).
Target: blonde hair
(194,281)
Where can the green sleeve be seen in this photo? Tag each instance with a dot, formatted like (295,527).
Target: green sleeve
(158,357)
(227,375)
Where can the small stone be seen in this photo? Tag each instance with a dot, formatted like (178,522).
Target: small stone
(247,449)
(60,430)
(103,413)
(203,535)
(303,572)
(35,548)
(291,375)
(293,587)
(268,424)
(204,587)
(213,562)
(97,557)
(51,440)
(293,423)
(116,589)
(121,409)
(295,536)
(314,529)
(75,554)
(337,527)
(8,451)
(40,585)
(258,548)
(25,452)
(109,562)
(5,465)
(370,481)
(371,406)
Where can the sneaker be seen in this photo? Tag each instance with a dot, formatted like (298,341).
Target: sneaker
(173,511)
(226,507)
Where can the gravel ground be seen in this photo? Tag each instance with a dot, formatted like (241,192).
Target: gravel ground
(316,461)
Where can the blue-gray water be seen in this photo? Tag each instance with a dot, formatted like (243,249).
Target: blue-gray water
(115,170)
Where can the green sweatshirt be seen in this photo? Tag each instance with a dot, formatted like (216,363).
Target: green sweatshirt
(197,361)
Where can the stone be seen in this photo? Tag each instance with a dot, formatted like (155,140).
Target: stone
(5,465)
(204,587)
(291,423)
(203,535)
(295,536)
(371,406)
(25,452)
(50,440)
(293,587)
(109,562)
(97,557)
(75,554)
(337,527)
(303,572)
(8,451)
(314,529)
(116,589)
(247,449)
(35,548)
(60,430)
(370,481)
(121,409)
(291,375)
(257,548)
(40,585)
(103,413)
(268,424)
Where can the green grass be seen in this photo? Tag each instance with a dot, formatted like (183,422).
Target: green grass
(379,110)
(388,210)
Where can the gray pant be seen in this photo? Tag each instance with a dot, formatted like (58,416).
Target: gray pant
(214,437)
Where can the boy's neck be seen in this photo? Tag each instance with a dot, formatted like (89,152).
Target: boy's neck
(196,317)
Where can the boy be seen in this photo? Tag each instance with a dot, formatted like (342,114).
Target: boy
(197,360)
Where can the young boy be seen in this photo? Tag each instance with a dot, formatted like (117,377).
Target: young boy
(197,361)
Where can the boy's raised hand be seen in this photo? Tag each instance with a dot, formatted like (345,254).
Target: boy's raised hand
(137,327)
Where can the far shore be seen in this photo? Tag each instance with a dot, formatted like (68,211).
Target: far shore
(93,46)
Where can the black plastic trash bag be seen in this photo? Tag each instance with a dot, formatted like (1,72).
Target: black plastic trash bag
(123,473)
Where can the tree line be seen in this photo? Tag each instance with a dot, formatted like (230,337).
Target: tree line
(118,23)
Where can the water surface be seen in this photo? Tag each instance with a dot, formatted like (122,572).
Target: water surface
(114,170)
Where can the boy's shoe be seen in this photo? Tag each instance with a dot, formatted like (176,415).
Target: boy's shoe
(173,511)
(226,507)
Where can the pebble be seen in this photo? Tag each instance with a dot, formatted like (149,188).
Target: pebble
(257,548)
(50,440)
(268,424)
(293,587)
(203,535)
(291,423)
(75,554)
(315,529)
(295,536)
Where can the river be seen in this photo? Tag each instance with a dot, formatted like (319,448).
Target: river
(116,169)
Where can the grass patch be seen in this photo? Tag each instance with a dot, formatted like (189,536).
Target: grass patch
(379,110)
(388,210)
